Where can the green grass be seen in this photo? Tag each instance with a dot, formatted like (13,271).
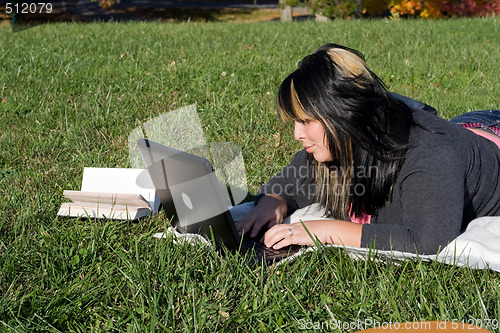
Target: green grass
(71,93)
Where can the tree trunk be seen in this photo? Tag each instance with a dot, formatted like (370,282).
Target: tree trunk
(361,7)
(286,11)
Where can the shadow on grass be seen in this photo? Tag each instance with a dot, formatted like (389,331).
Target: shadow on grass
(186,14)
(151,14)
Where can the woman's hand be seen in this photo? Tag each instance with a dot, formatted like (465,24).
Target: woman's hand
(327,232)
(270,211)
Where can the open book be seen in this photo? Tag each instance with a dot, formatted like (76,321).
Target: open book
(114,193)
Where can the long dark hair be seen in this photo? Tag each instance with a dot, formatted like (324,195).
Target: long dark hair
(366,129)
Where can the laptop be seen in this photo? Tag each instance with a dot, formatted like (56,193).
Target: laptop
(190,192)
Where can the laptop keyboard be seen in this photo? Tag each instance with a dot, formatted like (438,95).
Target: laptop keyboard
(260,249)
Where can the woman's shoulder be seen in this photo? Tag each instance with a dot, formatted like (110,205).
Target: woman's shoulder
(434,142)
(430,130)
(437,145)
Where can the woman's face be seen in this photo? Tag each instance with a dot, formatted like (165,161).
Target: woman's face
(312,136)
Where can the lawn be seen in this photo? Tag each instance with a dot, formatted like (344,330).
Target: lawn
(71,93)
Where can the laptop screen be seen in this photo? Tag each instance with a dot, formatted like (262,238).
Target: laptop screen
(190,192)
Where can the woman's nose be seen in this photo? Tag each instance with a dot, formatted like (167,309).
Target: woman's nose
(299,131)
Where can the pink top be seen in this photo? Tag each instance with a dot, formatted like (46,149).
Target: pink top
(363,219)
(495,139)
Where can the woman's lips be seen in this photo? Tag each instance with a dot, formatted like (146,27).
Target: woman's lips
(308,148)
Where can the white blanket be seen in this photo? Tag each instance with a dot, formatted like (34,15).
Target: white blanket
(477,247)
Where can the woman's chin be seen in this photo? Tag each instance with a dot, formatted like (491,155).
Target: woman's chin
(322,157)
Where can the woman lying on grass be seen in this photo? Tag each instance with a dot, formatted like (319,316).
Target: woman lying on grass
(369,157)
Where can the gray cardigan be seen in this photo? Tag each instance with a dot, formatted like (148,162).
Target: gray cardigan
(449,177)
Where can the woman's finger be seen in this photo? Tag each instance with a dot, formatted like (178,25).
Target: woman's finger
(245,224)
(280,235)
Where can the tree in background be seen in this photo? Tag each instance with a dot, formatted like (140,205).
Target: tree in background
(404,8)
(335,8)
(472,8)
(395,8)
(106,3)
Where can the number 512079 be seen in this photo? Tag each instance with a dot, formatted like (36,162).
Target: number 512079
(28,8)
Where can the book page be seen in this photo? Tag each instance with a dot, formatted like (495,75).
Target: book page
(94,211)
(107,199)
(120,180)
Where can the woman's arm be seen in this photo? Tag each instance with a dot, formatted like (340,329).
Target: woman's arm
(327,232)
(427,205)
